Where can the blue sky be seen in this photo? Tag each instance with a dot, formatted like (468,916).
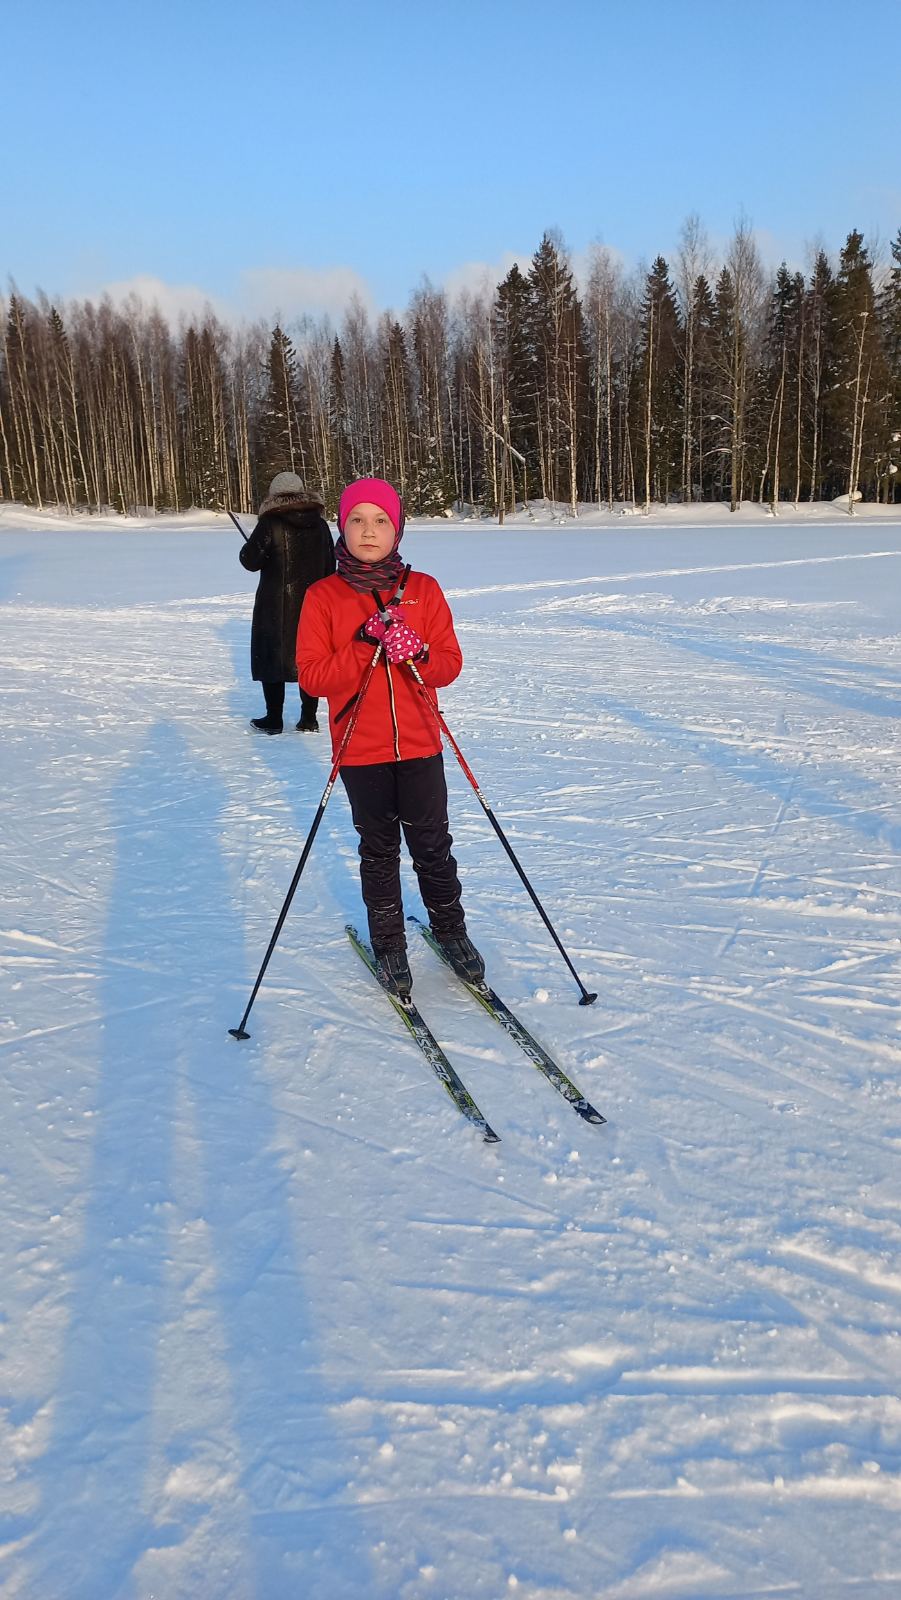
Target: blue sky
(283,154)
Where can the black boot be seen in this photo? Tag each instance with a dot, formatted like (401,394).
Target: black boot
(309,706)
(274,696)
(394,970)
(463,956)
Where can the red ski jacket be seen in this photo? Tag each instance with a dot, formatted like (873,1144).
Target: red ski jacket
(395,721)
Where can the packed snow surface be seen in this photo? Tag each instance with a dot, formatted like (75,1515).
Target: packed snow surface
(274,1322)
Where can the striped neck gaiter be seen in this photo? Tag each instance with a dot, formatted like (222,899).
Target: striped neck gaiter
(366,575)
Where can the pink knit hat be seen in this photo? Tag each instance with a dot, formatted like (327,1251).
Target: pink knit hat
(373,492)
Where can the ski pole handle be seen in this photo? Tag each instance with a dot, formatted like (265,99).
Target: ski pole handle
(381,605)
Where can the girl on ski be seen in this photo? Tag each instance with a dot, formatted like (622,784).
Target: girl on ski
(393,769)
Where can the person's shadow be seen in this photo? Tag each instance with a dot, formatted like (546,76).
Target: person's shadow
(12,568)
(190,1339)
(330,891)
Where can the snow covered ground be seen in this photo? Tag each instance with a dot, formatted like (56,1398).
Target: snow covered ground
(274,1322)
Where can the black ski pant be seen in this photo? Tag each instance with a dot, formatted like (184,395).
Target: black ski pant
(388,796)
(274,695)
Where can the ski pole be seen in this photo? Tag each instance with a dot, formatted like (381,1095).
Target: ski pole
(587,998)
(240,1031)
(244,536)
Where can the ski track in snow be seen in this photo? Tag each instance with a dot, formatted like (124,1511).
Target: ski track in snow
(274,1322)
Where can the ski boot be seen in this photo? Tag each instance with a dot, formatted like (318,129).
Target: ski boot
(463,957)
(393,971)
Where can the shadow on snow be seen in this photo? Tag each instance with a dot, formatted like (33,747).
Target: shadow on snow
(186,1288)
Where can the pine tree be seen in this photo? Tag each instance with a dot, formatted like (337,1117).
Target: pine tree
(739,291)
(396,406)
(704,462)
(890,313)
(723,420)
(475,420)
(860,373)
(6,458)
(890,322)
(245,370)
(557,338)
(817,366)
(360,367)
(341,469)
(694,252)
(432,453)
(279,444)
(512,323)
(26,478)
(430,494)
(660,380)
(65,400)
(205,447)
(778,388)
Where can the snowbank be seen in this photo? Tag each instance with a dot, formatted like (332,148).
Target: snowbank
(539,513)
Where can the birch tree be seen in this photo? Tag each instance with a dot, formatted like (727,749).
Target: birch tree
(693,264)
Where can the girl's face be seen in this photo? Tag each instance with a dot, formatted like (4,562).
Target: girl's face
(369,533)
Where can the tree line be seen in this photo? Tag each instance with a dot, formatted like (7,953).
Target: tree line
(683,382)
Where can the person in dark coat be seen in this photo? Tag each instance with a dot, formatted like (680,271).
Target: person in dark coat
(290,547)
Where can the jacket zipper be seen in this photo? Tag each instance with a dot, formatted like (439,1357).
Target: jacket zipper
(393,710)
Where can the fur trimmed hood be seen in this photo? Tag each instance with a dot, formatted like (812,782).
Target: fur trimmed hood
(274,503)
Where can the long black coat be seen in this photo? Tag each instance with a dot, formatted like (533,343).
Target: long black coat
(290,550)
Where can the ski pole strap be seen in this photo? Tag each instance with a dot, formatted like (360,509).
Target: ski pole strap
(340,715)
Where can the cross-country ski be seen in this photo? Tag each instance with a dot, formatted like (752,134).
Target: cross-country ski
(482,992)
(419,1029)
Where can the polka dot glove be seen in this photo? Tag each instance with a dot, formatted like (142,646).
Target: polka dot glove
(375,629)
(401,642)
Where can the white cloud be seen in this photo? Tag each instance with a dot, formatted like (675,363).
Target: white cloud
(772,249)
(301,291)
(582,261)
(173,300)
(473,277)
(289,292)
